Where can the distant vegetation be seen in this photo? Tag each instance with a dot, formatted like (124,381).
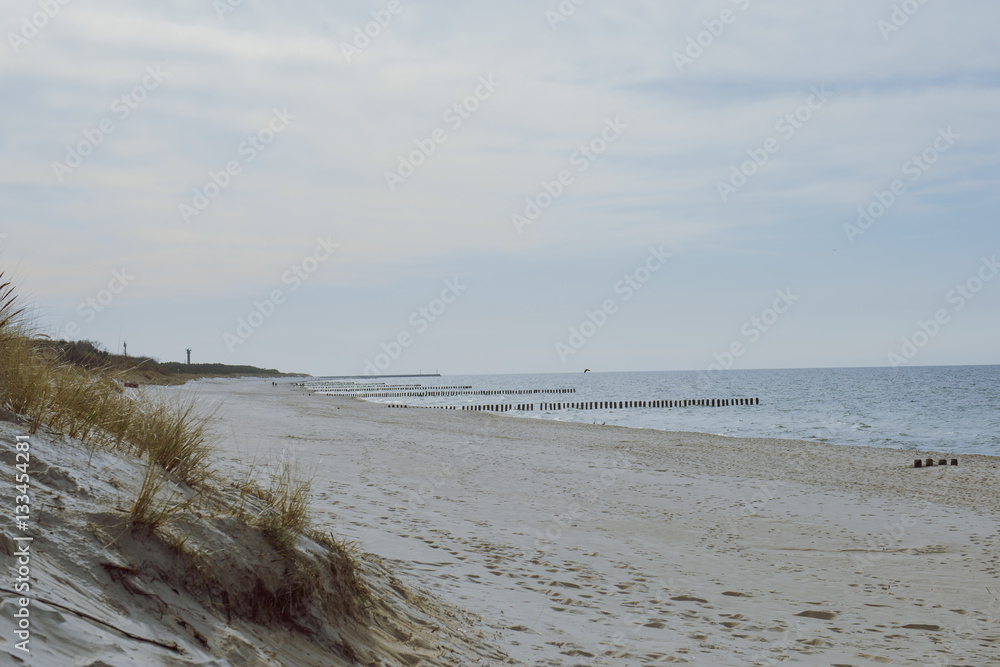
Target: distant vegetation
(220,369)
(92,356)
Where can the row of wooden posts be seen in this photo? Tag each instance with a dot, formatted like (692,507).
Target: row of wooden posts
(594,405)
(480,392)
(503,407)
(620,405)
(377,387)
(423,407)
(930,463)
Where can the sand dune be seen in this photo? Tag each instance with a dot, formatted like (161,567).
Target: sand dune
(101,595)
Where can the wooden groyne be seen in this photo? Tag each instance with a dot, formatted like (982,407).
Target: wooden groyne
(918,463)
(623,405)
(374,377)
(327,389)
(422,407)
(500,407)
(447,392)
(593,405)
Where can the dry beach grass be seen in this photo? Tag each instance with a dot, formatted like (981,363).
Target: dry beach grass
(142,553)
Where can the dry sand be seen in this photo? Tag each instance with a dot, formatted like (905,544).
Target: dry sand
(593,545)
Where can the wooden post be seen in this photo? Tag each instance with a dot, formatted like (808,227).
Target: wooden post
(943,462)
(930,462)
(954,462)
(918,463)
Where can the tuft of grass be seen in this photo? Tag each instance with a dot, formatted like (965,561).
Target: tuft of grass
(89,406)
(26,385)
(10,310)
(150,510)
(175,434)
(285,515)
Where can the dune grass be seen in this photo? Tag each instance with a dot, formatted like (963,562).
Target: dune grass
(174,439)
(286,512)
(150,509)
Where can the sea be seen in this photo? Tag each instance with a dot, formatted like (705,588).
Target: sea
(947,409)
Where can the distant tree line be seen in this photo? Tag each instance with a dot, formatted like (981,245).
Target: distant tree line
(93,355)
(217,369)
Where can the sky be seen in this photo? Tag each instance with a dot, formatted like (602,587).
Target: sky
(506,187)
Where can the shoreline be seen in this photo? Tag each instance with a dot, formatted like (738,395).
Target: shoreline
(731,550)
(919,453)
(921,409)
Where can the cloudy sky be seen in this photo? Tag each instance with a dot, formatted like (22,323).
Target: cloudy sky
(494,187)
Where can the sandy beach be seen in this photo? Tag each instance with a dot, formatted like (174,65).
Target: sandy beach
(590,545)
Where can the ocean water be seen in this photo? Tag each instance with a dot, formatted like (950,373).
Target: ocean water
(947,409)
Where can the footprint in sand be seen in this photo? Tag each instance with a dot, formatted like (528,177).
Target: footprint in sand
(922,626)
